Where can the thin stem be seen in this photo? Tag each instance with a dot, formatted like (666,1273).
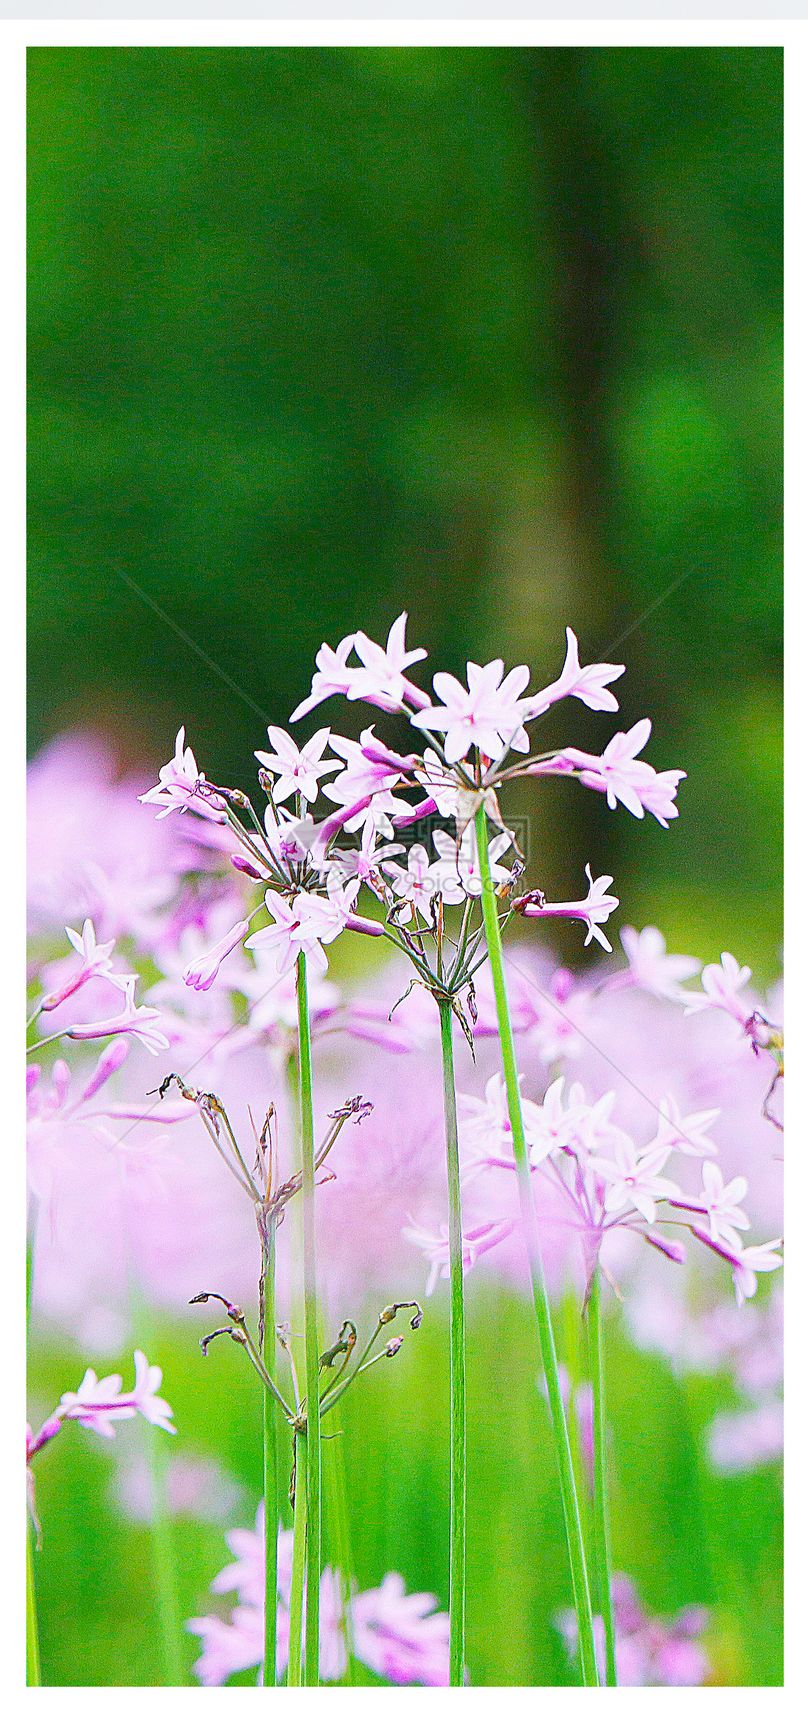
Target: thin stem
(270,1467)
(337,1488)
(541,1303)
(165,1581)
(313,1452)
(33,1670)
(294,1675)
(603,1550)
(457,1523)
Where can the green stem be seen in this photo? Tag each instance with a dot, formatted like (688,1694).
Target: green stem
(33,1672)
(541,1303)
(341,1557)
(603,1551)
(457,1524)
(294,1676)
(313,1451)
(165,1581)
(270,1469)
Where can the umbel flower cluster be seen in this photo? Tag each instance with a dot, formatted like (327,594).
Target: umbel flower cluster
(236,904)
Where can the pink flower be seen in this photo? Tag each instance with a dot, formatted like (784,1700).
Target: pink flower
(332,677)
(623,778)
(141,1021)
(634,1178)
(743,1439)
(588,683)
(368,771)
(202,973)
(485,1128)
(179,786)
(652,967)
(228,1647)
(96,960)
(489,713)
(685,1131)
(380,679)
(457,871)
(595,909)
(476,1242)
(722,984)
(100,1404)
(400,1636)
(296,769)
(367,862)
(417,883)
(721,1201)
(745,1263)
(305,924)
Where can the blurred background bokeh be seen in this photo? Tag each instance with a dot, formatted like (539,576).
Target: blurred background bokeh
(493,335)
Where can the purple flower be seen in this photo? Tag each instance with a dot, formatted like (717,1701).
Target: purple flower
(476,1241)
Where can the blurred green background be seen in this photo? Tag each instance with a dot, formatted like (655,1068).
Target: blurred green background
(495,335)
(492,334)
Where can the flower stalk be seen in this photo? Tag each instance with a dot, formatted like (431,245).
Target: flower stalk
(569,1498)
(457,1526)
(33,1670)
(313,1446)
(271,1519)
(602,1532)
(294,1673)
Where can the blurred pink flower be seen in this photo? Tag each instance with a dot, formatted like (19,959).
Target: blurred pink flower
(650,1652)
(722,984)
(651,967)
(140,1021)
(399,1636)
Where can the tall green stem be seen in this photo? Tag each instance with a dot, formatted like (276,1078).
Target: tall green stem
(165,1578)
(313,1452)
(294,1676)
(457,1524)
(270,1467)
(603,1550)
(569,1498)
(33,1672)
